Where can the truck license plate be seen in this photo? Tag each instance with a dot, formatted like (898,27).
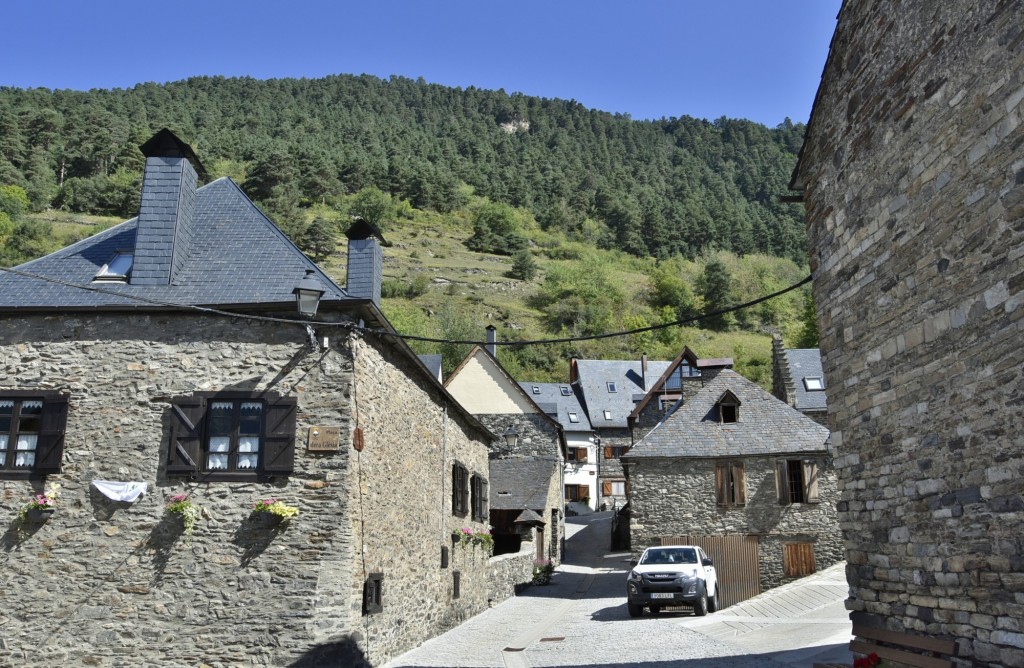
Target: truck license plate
(668,595)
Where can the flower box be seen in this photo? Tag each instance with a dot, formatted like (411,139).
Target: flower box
(38,515)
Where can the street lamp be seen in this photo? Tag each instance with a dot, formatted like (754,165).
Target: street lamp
(511,437)
(307,294)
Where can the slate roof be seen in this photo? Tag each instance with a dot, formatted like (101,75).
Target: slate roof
(433,364)
(521,482)
(593,377)
(766,426)
(236,257)
(558,406)
(804,362)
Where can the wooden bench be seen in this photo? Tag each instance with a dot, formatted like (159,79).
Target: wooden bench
(918,651)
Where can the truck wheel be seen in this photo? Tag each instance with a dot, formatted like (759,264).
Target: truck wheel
(713,602)
(700,608)
(634,610)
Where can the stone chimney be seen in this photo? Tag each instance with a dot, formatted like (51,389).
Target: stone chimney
(166,211)
(365,261)
(492,336)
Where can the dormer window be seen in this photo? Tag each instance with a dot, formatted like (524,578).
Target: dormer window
(728,408)
(814,383)
(611,386)
(117,269)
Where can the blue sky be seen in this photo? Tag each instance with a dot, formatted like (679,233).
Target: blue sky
(756,59)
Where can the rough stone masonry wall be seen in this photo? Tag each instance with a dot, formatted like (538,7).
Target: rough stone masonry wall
(914,173)
(673,497)
(106,583)
(401,504)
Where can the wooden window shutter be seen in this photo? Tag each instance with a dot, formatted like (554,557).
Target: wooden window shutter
(581,455)
(50,446)
(782,482)
(811,481)
(739,480)
(279,437)
(185,445)
(721,473)
(484,501)
(608,452)
(606,488)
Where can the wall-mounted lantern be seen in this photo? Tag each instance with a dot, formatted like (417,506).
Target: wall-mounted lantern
(307,293)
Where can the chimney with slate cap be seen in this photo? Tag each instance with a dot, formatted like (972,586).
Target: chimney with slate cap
(492,336)
(365,261)
(166,211)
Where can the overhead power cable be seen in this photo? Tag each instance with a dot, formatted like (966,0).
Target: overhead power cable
(409,337)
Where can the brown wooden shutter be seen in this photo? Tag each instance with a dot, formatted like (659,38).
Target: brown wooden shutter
(279,437)
(484,501)
(184,447)
(720,479)
(811,481)
(782,482)
(581,455)
(739,479)
(608,452)
(52,424)
(606,488)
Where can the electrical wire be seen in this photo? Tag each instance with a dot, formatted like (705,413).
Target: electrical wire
(408,337)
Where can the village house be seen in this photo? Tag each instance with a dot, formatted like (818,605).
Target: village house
(178,354)
(580,481)
(738,472)
(913,181)
(526,458)
(798,380)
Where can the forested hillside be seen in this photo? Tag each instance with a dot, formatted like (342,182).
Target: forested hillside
(659,188)
(539,216)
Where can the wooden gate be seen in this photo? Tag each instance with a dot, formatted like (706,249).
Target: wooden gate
(736,564)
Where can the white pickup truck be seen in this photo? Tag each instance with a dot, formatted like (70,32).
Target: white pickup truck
(672,575)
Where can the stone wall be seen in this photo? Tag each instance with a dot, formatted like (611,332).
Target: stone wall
(671,497)
(402,506)
(914,191)
(509,573)
(107,583)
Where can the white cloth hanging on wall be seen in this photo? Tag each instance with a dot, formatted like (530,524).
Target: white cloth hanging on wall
(121,491)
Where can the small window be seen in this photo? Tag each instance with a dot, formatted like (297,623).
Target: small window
(728,408)
(615,451)
(373,594)
(796,481)
(574,417)
(565,390)
(31,433)
(444,556)
(478,488)
(460,490)
(614,488)
(536,389)
(607,415)
(611,386)
(730,485)
(232,436)
(813,383)
(579,493)
(117,269)
(456,584)
(578,455)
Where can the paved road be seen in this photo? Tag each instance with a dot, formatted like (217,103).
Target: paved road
(580,619)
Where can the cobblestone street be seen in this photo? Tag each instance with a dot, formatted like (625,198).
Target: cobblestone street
(580,619)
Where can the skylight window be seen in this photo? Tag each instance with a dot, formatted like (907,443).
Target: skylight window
(607,415)
(611,386)
(536,389)
(813,383)
(117,269)
(565,390)
(574,417)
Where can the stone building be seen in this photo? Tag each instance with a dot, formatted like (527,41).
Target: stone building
(167,353)
(527,456)
(798,380)
(913,180)
(747,477)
